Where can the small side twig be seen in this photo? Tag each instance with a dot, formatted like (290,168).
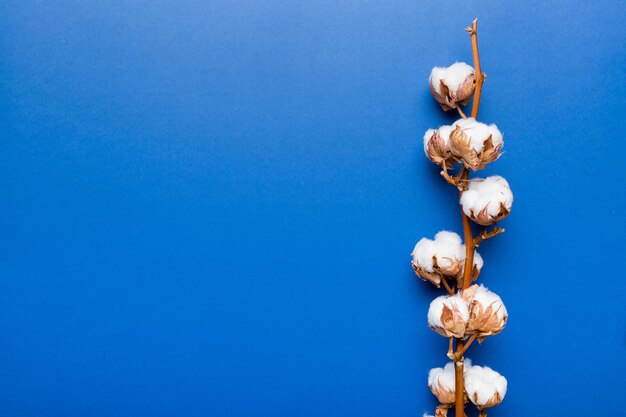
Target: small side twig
(459,181)
(448,178)
(447,286)
(459,354)
(484,235)
(458,108)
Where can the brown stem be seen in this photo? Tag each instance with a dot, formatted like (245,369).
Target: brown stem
(461,182)
(460,345)
(447,286)
(467,345)
(467,232)
(458,181)
(484,235)
(480,76)
(451,180)
(448,178)
(459,403)
(469,248)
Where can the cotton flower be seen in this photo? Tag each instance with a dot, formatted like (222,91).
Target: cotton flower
(448,315)
(475,144)
(442,257)
(436,146)
(452,85)
(487,313)
(487,200)
(484,386)
(441,382)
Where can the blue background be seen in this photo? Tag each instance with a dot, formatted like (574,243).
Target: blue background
(207,208)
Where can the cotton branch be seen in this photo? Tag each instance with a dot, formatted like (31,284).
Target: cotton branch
(452,262)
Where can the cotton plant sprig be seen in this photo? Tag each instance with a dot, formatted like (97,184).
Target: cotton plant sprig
(467,312)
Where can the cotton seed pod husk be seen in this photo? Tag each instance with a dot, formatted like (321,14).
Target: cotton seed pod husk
(441,411)
(435,259)
(452,270)
(436,148)
(461,149)
(484,387)
(487,200)
(432,277)
(441,382)
(443,395)
(486,318)
(447,95)
(485,219)
(439,273)
(448,315)
(453,323)
(490,153)
(493,401)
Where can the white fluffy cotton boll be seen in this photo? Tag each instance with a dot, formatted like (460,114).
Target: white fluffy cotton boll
(427,136)
(475,144)
(442,384)
(478,133)
(436,146)
(442,257)
(452,85)
(484,387)
(487,200)
(448,315)
(487,313)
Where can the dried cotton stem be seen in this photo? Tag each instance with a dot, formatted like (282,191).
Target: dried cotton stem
(467,231)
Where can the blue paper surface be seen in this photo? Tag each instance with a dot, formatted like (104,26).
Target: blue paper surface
(207,208)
